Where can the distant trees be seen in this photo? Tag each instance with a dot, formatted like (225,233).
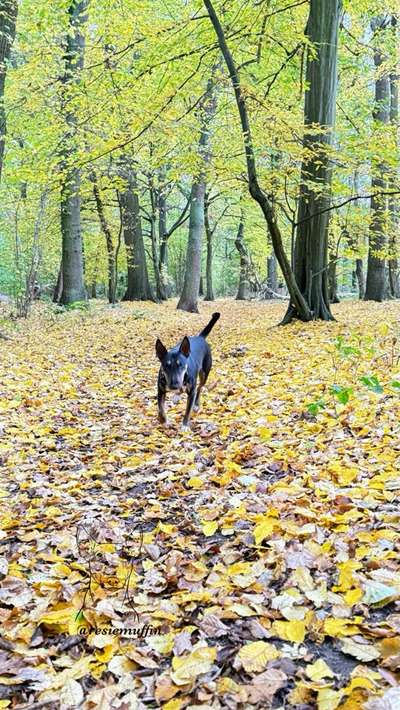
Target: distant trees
(116,131)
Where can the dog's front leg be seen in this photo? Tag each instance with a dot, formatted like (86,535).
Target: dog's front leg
(161,394)
(189,406)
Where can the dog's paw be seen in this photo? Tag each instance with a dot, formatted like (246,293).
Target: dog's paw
(196,408)
(185,427)
(165,422)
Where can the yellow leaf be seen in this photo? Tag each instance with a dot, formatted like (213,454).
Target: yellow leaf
(294,631)
(255,656)
(195,482)
(187,668)
(209,528)
(328,699)
(264,529)
(340,627)
(319,670)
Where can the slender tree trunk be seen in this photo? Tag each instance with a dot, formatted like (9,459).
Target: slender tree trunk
(244,282)
(8,21)
(376,271)
(191,284)
(257,193)
(163,241)
(155,251)
(394,208)
(59,285)
(360,278)
(209,261)
(332,278)
(72,245)
(138,288)
(105,227)
(272,277)
(311,247)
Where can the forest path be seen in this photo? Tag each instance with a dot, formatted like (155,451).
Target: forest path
(258,542)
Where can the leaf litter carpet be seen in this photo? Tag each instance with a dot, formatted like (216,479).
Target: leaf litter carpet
(250,563)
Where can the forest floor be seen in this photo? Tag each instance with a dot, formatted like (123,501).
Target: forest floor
(251,562)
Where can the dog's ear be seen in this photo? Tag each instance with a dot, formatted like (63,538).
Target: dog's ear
(161,350)
(185,346)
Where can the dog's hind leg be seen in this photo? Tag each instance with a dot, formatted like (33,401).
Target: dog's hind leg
(203,376)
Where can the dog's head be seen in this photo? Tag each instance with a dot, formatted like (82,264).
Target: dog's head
(174,363)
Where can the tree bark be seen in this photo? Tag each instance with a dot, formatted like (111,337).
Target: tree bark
(155,250)
(8,21)
(163,240)
(311,246)
(244,283)
(72,245)
(138,288)
(209,260)
(58,289)
(190,292)
(272,277)
(376,270)
(105,227)
(360,278)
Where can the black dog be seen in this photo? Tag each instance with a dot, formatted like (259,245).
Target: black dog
(180,367)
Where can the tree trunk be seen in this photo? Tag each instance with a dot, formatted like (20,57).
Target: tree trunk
(297,299)
(244,283)
(138,288)
(191,284)
(360,278)
(209,261)
(376,270)
(272,277)
(155,252)
(58,289)
(8,21)
(163,240)
(112,283)
(332,277)
(72,245)
(311,247)
(394,208)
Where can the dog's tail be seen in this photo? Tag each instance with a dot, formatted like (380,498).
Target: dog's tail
(210,325)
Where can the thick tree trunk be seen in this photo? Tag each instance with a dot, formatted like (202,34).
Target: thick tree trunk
(311,247)
(360,278)
(138,288)
(209,260)
(72,245)
(8,21)
(376,271)
(112,280)
(191,284)
(244,273)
